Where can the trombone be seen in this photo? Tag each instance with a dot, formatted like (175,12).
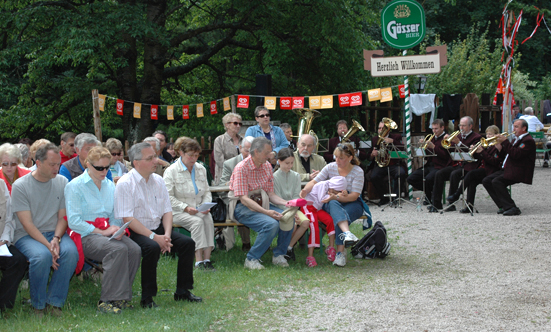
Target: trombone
(447,143)
(485,143)
(427,140)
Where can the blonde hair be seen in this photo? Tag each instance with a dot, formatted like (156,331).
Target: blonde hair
(96,153)
(493,128)
(37,144)
(113,144)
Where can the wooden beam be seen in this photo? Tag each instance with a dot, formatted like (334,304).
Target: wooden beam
(97,117)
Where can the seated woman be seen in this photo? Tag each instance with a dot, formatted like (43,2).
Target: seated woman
(11,158)
(265,129)
(346,206)
(226,146)
(117,168)
(89,201)
(186,182)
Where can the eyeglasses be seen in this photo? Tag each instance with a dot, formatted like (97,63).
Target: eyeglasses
(263,116)
(236,123)
(6,164)
(149,158)
(100,168)
(116,154)
(192,155)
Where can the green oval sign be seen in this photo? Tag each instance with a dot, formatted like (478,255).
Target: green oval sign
(403,24)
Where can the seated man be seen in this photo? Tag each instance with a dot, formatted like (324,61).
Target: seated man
(162,164)
(255,173)
(518,166)
(39,207)
(342,129)
(141,197)
(434,164)
(67,147)
(75,167)
(13,268)
(534,124)
(163,141)
(307,163)
(229,165)
(288,131)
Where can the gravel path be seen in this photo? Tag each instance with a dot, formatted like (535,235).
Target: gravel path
(449,272)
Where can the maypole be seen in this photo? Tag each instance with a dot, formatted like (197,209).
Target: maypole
(407,112)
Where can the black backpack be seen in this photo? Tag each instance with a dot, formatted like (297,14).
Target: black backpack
(373,245)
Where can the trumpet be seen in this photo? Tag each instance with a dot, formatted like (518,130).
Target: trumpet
(485,143)
(427,139)
(447,143)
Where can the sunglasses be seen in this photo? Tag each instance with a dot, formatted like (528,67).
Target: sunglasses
(116,154)
(264,116)
(6,164)
(343,146)
(236,123)
(100,168)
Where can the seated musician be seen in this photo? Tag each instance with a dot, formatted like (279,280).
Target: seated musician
(463,141)
(342,129)
(492,158)
(434,164)
(518,166)
(379,173)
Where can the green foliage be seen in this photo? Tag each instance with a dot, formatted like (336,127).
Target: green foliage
(521,86)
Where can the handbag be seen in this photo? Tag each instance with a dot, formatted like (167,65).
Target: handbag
(219,211)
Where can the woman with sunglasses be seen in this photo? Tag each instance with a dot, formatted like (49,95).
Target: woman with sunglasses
(118,168)
(89,200)
(346,206)
(226,146)
(11,158)
(265,129)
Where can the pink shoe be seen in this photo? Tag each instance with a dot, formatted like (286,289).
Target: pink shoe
(331,253)
(299,202)
(311,261)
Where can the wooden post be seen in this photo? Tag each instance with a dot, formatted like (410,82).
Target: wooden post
(232,102)
(97,117)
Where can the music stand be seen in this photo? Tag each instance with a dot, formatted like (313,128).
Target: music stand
(419,152)
(395,154)
(463,157)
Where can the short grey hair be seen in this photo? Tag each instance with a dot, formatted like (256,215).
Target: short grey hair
(248,139)
(135,152)
(306,135)
(471,122)
(529,110)
(24,151)
(154,140)
(84,139)
(42,152)
(258,144)
(11,151)
(258,109)
(284,126)
(230,116)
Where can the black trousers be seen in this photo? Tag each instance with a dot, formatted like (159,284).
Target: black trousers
(184,247)
(13,269)
(379,174)
(471,180)
(416,179)
(496,185)
(440,179)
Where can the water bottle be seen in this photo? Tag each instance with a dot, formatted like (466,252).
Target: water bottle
(419,209)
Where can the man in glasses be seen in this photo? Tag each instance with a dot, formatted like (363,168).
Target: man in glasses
(265,129)
(76,166)
(162,164)
(307,163)
(67,147)
(288,131)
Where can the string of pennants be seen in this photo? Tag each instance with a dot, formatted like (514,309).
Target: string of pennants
(270,102)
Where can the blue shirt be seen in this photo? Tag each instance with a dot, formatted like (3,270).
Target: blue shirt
(85,202)
(192,175)
(65,172)
(281,140)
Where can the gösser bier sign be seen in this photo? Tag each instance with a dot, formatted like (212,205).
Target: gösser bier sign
(403,24)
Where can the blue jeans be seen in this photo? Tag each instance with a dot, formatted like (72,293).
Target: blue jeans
(40,261)
(267,228)
(340,212)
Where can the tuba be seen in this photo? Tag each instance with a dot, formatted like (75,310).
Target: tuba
(447,143)
(383,157)
(355,127)
(389,125)
(307,117)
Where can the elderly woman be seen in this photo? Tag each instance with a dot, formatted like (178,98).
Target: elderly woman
(90,200)
(186,182)
(117,167)
(11,158)
(265,129)
(347,206)
(25,156)
(226,146)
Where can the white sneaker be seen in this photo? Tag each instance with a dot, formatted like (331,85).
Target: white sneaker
(348,238)
(280,261)
(340,259)
(253,264)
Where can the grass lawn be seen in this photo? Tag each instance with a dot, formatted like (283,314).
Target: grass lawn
(233,297)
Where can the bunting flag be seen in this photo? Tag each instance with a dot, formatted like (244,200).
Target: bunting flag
(374,94)
(154,112)
(120,105)
(386,95)
(170,112)
(285,103)
(101,101)
(242,101)
(137,110)
(315,102)
(344,100)
(298,102)
(185,112)
(356,99)
(270,103)
(499,90)
(227,105)
(402,91)
(213,107)
(327,101)
(200,110)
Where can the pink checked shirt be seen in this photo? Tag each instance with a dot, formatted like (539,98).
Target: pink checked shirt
(246,177)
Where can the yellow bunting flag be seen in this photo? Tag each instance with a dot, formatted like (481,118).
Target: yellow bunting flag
(170,112)
(270,103)
(374,94)
(315,102)
(101,100)
(327,101)
(199,110)
(386,95)
(227,105)
(137,110)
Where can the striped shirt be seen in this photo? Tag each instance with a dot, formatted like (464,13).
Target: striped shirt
(246,177)
(145,201)
(354,179)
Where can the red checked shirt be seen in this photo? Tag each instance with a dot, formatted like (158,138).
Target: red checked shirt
(246,177)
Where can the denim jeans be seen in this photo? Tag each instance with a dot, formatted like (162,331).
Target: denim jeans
(40,261)
(339,212)
(267,228)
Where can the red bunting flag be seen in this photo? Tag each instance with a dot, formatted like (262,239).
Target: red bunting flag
(154,112)
(285,103)
(402,90)
(213,107)
(298,102)
(120,105)
(344,100)
(185,112)
(242,101)
(356,99)
(499,90)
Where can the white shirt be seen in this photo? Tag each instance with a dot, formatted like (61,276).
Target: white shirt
(533,123)
(145,201)
(7,234)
